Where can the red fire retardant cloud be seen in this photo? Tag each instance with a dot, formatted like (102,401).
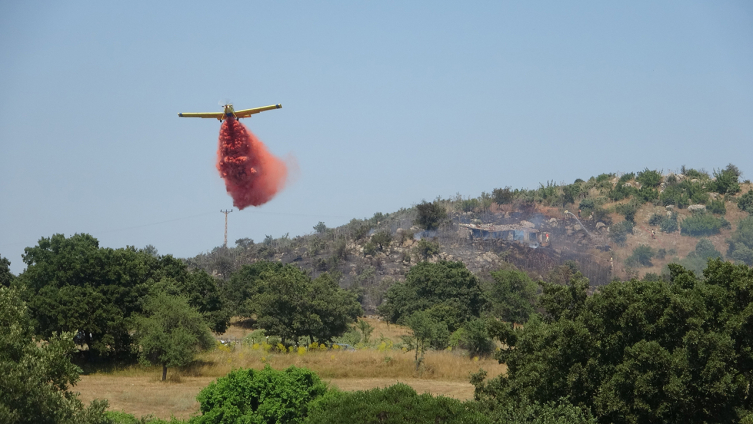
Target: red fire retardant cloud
(252,175)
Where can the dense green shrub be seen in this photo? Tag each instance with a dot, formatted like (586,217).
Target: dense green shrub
(626,177)
(694,174)
(587,204)
(745,202)
(628,210)
(669,224)
(649,178)
(396,404)
(647,194)
(717,207)
(656,219)
(727,180)
(702,224)
(741,242)
(641,256)
(621,191)
(369,249)
(674,195)
(264,396)
(618,232)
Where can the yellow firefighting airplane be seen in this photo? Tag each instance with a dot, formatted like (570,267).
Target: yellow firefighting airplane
(229,112)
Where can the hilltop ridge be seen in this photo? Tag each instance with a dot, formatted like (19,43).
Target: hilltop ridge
(613,226)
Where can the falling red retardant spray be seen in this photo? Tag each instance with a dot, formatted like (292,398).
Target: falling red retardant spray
(252,175)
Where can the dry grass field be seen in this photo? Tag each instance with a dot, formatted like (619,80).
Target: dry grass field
(147,395)
(137,390)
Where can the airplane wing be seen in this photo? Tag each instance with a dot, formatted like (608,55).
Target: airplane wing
(215,115)
(245,113)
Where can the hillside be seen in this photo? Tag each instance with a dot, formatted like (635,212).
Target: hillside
(368,255)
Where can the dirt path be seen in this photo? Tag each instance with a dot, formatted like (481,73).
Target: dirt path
(146,395)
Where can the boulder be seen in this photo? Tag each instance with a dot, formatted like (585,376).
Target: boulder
(696,208)
(600,225)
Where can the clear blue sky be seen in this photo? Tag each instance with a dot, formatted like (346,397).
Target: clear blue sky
(384,104)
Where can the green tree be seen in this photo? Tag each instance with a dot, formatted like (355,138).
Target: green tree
(264,396)
(171,332)
(669,224)
(641,256)
(502,196)
(382,239)
(638,351)
(511,295)
(726,180)
(290,305)
(649,178)
(244,243)
(6,277)
(366,329)
(745,202)
(244,284)
(73,285)
(426,249)
(618,232)
(37,375)
(476,337)
(628,210)
(424,330)
(320,228)
(570,193)
(430,215)
(429,284)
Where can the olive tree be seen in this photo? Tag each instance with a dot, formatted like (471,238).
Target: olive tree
(171,332)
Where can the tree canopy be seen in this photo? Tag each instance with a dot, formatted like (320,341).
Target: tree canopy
(447,287)
(290,305)
(171,332)
(6,277)
(638,351)
(430,215)
(512,295)
(71,284)
(36,377)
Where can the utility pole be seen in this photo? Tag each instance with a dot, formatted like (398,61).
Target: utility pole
(226,212)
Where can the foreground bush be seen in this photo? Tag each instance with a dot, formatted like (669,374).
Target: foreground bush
(674,351)
(266,396)
(37,376)
(396,404)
